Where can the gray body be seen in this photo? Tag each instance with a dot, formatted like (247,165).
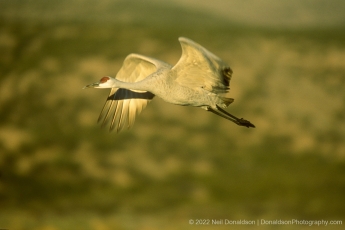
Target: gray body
(163,84)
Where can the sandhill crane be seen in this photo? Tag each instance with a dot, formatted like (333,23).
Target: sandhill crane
(198,79)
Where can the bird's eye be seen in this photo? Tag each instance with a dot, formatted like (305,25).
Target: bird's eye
(104,79)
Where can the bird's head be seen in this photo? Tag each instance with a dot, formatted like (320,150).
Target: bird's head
(105,82)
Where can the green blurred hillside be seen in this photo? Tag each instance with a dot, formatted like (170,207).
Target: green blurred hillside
(61,170)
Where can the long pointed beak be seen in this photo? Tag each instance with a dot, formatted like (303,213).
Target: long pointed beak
(93,85)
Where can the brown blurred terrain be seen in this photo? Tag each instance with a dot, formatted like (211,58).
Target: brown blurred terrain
(61,170)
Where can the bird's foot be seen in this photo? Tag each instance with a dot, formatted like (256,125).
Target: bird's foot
(243,122)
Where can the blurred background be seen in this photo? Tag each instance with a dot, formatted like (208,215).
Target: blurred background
(60,170)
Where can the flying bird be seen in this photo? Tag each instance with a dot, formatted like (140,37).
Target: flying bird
(199,79)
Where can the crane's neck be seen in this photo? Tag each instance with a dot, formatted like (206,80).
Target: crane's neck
(140,85)
(155,83)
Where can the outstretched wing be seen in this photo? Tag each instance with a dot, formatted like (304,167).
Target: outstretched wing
(198,67)
(122,105)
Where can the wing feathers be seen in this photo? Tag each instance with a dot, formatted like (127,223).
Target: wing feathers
(124,104)
(198,67)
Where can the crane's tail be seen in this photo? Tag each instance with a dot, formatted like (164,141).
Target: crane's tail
(227,100)
(239,121)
